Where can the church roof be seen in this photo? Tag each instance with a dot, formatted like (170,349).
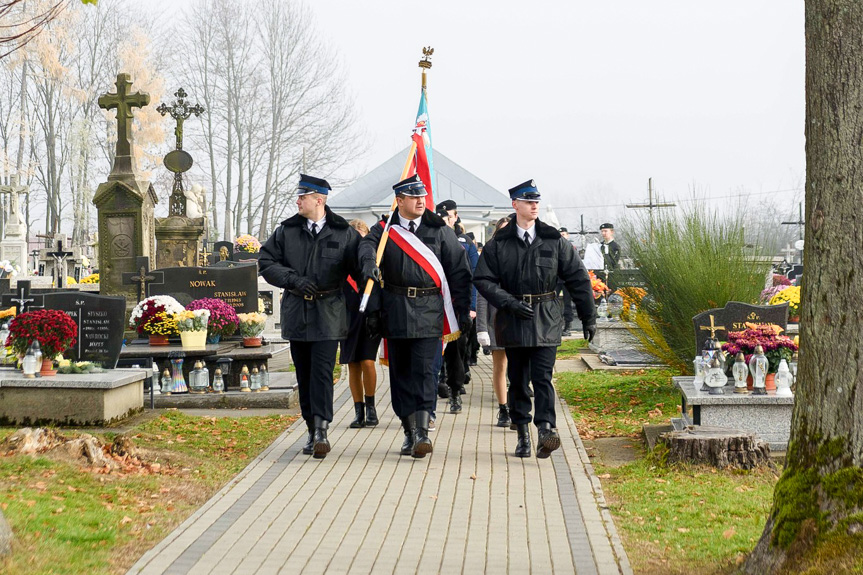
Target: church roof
(453,183)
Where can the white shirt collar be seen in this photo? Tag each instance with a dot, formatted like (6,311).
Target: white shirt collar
(531,232)
(320,223)
(404,221)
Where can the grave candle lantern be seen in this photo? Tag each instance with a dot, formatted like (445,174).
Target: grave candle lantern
(699,373)
(218,382)
(244,379)
(716,378)
(166,382)
(265,378)
(740,372)
(783,380)
(255,380)
(4,335)
(758,368)
(28,364)
(197,383)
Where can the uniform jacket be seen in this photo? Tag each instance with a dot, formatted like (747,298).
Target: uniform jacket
(485,314)
(472,257)
(292,252)
(403,317)
(610,254)
(508,268)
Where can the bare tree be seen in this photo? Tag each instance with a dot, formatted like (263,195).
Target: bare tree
(818,497)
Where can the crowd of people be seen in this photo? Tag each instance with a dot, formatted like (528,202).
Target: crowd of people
(421,283)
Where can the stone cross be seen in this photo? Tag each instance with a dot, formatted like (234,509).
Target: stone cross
(142,277)
(12,187)
(583,233)
(123,101)
(22,299)
(178,161)
(712,328)
(59,255)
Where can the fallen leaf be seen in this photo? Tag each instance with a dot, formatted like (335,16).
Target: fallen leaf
(605,476)
(659,480)
(473,475)
(728,533)
(683,530)
(58,510)
(125,519)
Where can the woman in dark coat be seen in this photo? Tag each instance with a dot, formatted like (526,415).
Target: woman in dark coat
(485,314)
(359,351)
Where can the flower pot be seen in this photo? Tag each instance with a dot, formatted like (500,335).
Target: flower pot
(194,339)
(47,368)
(158,339)
(252,342)
(794,319)
(769,382)
(214,337)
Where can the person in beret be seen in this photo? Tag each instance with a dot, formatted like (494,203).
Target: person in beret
(517,273)
(610,248)
(310,255)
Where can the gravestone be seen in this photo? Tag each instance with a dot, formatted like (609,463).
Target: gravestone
(795,272)
(734,317)
(626,278)
(4,286)
(125,203)
(222,251)
(14,245)
(21,298)
(237,285)
(100,321)
(246,257)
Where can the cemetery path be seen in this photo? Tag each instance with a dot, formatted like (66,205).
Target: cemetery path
(470,507)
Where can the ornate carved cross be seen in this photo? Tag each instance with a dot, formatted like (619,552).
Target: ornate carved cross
(123,101)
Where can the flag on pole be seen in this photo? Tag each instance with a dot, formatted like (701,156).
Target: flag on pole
(423,160)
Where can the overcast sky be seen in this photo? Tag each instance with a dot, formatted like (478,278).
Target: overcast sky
(588,98)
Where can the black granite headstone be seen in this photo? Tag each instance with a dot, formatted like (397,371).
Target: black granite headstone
(626,278)
(795,272)
(237,285)
(222,251)
(734,317)
(267,298)
(100,320)
(246,256)
(4,286)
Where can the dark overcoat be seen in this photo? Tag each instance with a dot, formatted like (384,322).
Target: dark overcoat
(507,268)
(326,259)
(404,317)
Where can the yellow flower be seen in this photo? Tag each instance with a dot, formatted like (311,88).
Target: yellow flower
(791,295)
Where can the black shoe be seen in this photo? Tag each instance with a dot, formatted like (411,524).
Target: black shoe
(462,390)
(455,403)
(307,448)
(547,440)
(360,411)
(567,328)
(443,390)
(371,412)
(513,427)
(321,444)
(503,419)
(422,443)
(467,377)
(529,391)
(408,444)
(523,447)
(472,362)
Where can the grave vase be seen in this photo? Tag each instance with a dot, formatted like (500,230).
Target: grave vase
(214,338)
(252,341)
(194,339)
(47,368)
(158,339)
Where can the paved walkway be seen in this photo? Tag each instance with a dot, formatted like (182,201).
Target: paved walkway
(470,507)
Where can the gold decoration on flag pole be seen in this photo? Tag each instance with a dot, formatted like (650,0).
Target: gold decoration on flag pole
(425,64)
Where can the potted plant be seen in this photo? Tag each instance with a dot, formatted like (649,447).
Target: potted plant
(790,295)
(599,287)
(53,329)
(223,318)
(247,243)
(154,317)
(251,328)
(192,325)
(776,347)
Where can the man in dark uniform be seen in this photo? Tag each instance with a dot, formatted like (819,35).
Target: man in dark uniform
(310,255)
(455,354)
(517,273)
(610,248)
(568,314)
(411,314)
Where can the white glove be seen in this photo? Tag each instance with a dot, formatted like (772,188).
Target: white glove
(483,339)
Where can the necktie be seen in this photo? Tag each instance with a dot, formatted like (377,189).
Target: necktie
(314,229)
(412,227)
(527,239)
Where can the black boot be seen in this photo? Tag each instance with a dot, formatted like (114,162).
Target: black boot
(547,440)
(443,391)
(307,448)
(321,444)
(371,412)
(422,443)
(462,390)
(455,403)
(567,328)
(408,445)
(503,419)
(523,447)
(360,412)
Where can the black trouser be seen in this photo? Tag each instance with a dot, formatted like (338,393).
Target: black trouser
(454,357)
(412,383)
(314,362)
(473,344)
(534,364)
(568,312)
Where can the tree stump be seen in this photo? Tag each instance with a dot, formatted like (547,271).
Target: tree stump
(717,446)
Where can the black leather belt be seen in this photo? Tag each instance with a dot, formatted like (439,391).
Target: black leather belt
(316,295)
(531,298)
(412,291)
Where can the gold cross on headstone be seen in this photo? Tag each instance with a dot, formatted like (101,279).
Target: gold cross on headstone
(205,256)
(123,101)
(712,328)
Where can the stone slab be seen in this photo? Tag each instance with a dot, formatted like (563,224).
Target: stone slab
(612,335)
(95,399)
(767,415)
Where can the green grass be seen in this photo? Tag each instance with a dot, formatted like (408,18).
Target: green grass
(683,519)
(67,519)
(569,348)
(617,404)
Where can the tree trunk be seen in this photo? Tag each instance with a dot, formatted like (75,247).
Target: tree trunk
(820,492)
(717,446)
